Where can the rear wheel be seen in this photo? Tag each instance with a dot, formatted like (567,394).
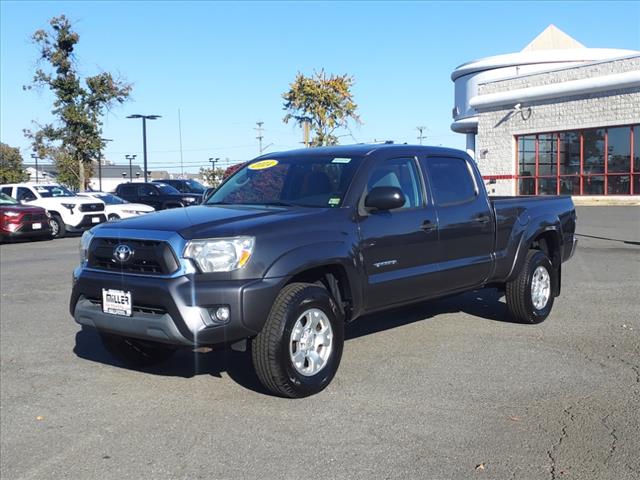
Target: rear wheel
(136,352)
(530,296)
(58,229)
(298,351)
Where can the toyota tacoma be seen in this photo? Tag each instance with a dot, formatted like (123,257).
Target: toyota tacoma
(295,245)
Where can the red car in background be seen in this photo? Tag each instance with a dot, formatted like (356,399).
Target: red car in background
(22,221)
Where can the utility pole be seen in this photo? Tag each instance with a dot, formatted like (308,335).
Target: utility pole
(260,136)
(180,133)
(35,157)
(421,136)
(306,131)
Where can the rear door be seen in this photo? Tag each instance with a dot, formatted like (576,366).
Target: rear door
(465,222)
(399,247)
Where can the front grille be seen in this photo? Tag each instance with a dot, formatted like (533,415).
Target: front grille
(92,207)
(150,257)
(135,308)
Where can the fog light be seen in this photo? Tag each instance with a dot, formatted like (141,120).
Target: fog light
(222,314)
(219,314)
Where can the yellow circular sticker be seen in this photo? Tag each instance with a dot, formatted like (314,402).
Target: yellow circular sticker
(262,164)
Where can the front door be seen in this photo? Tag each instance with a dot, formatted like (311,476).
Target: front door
(399,247)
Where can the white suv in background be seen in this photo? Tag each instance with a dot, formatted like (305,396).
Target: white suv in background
(69,212)
(117,208)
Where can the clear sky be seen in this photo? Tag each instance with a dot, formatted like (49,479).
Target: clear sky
(226,65)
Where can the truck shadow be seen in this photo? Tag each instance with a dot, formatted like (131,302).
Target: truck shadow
(185,363)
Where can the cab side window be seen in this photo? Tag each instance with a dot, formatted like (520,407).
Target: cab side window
(127,190)
(25,195)
(6,190)
(147,191)
(451,180)
(401,173)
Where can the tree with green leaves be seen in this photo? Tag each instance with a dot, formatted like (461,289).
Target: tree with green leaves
(73,140)
(323,102)
(11,165)
(212,177)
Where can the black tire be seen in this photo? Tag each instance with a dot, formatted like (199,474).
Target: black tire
(113,217)
(136,353)
(58,230)
(270,348)
(518,291)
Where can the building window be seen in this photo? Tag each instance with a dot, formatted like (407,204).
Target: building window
(594,161)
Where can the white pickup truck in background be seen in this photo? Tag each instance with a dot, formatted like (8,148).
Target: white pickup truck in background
(69,212)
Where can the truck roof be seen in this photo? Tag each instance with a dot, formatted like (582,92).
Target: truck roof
(362,149)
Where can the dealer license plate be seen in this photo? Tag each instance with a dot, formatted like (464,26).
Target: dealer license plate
(95,219)
(116,302)
(36,226)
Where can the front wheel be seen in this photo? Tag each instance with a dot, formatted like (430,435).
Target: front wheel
(135,352)
(530,296)
(298,351)
(58,229)
(113,217)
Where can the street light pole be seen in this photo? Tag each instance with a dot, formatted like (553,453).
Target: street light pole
(144,136)
(130,158)
(35,157)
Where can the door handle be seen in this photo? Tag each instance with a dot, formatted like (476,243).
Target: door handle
(483,218)
(428,226)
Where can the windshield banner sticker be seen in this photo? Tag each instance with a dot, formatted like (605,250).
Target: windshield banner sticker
(340,160)
(263,164)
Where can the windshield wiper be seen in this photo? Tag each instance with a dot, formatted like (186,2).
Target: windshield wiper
(279,203)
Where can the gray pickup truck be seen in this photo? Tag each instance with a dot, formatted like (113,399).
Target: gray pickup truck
(295,245)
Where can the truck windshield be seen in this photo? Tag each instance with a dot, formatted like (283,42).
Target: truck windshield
(53,191)
(195,187)
(306,181)
(7,200)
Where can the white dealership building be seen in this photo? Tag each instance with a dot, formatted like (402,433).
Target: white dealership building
(555,118)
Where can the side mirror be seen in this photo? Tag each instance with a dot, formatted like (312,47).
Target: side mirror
(207,194)
(384,198)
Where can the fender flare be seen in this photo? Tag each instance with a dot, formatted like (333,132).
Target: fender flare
(329,253)
(537,226)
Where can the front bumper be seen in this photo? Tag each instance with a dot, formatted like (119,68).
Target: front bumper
(87,222)
(26,231)
(175,310)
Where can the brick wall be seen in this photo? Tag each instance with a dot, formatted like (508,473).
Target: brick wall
(495,143)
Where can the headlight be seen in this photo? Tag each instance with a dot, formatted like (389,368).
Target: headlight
(220,254)
(85,240)
(188,199)
(70,206)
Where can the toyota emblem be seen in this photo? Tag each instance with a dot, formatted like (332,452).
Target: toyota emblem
(122,253)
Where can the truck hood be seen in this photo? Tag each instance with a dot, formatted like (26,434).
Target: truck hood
(212,221)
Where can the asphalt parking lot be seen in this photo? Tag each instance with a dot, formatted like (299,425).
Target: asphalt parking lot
(448,389)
